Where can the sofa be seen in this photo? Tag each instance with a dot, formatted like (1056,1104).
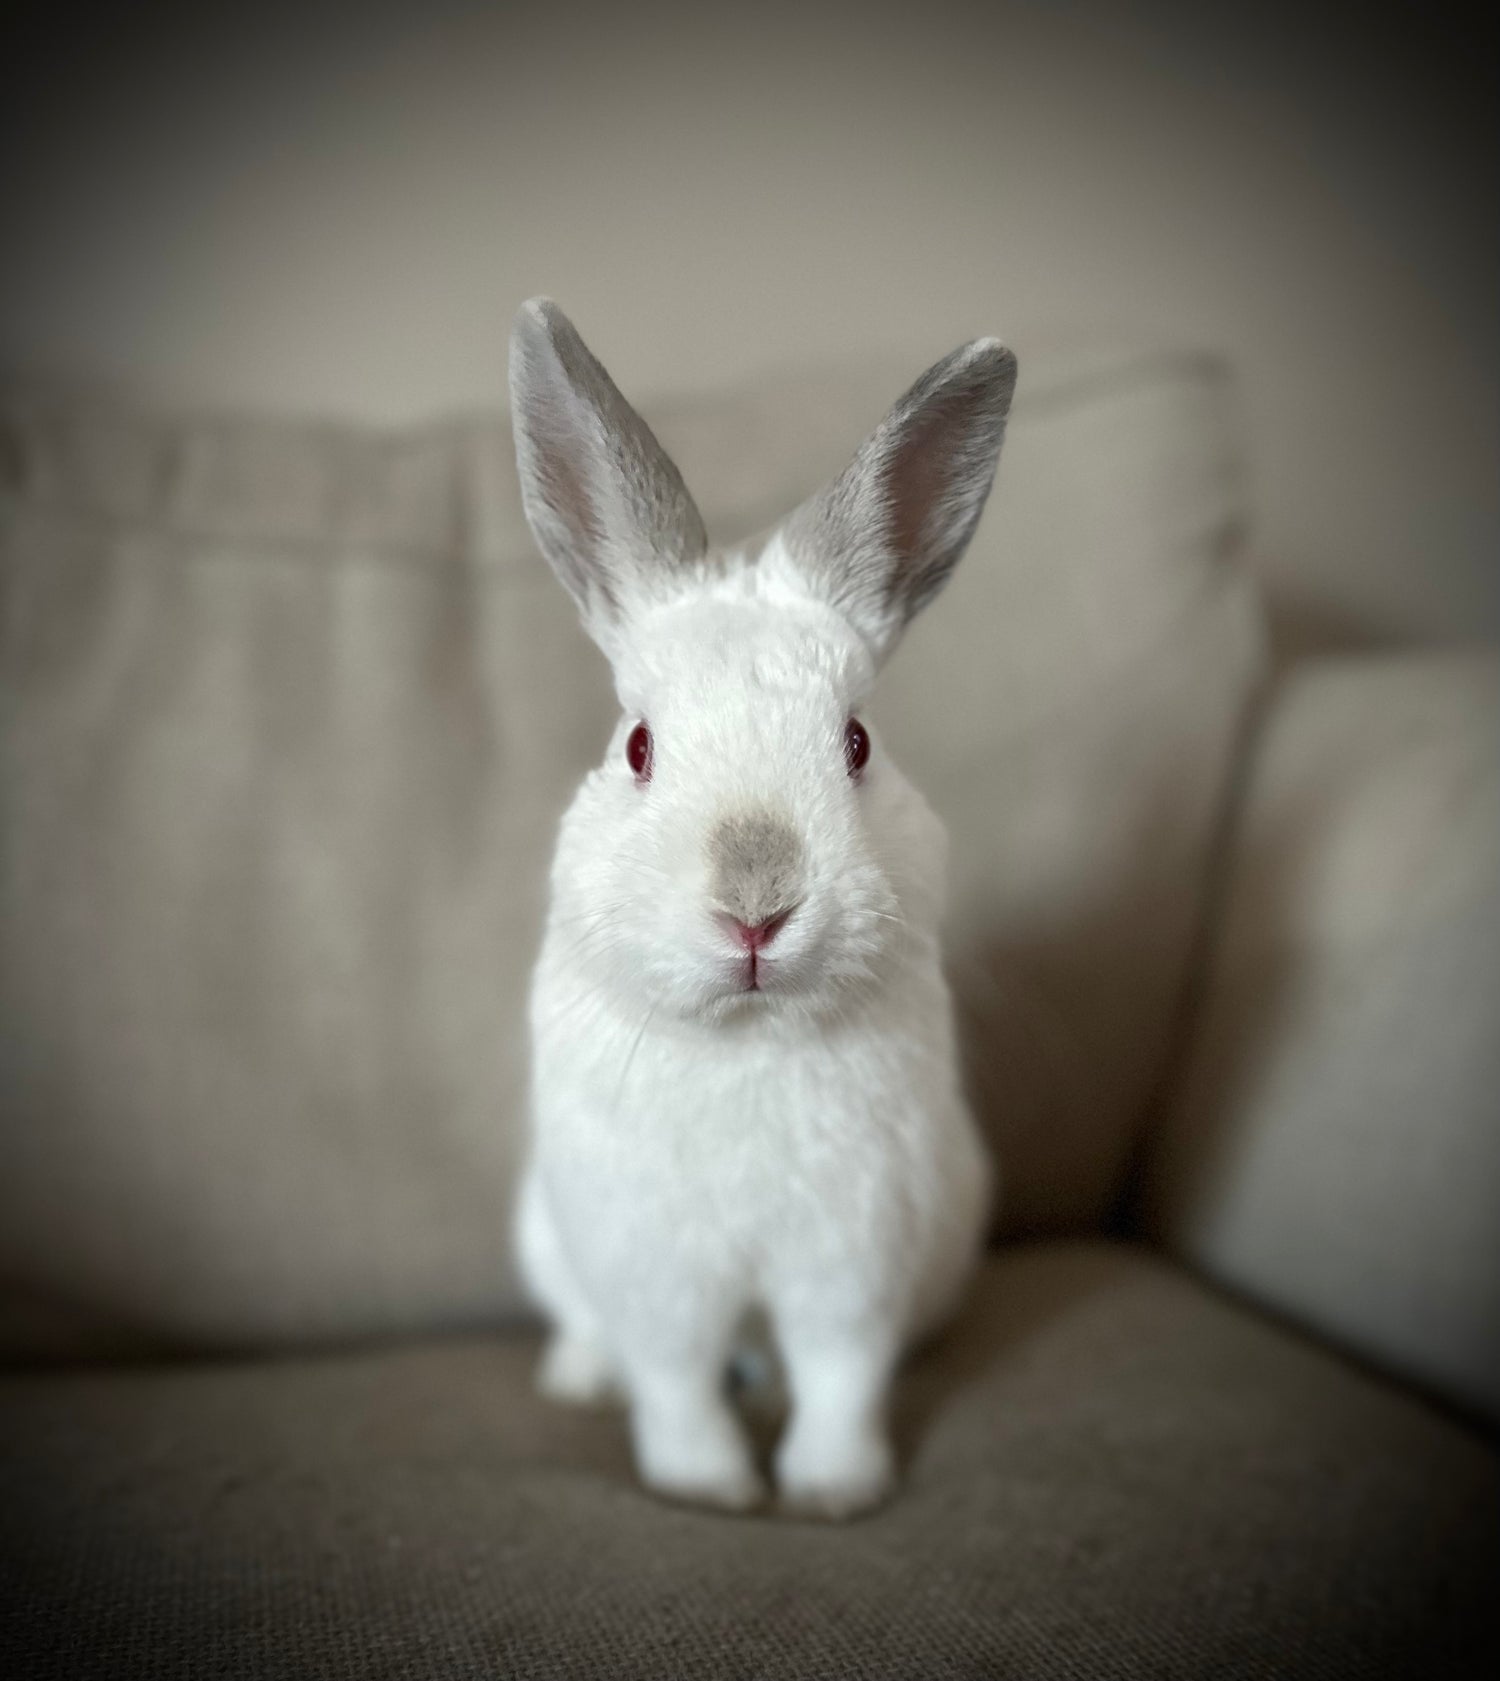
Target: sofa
(291,707)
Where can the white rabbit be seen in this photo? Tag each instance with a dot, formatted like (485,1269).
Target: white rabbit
(745,1094)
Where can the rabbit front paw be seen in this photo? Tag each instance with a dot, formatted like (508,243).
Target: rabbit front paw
(814,1480)
(697,1454)
(728,1488)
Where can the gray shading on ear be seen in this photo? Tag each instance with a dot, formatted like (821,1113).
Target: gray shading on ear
(883,538)
(606,505)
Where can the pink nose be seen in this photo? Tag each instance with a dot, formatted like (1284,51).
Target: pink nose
(753,935)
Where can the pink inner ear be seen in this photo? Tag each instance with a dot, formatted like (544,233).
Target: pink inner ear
(920,475)
(566,491)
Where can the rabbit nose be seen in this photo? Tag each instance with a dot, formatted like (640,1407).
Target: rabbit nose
(755,935)
(756,874)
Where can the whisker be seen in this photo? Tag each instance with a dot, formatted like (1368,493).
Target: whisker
(635,1045)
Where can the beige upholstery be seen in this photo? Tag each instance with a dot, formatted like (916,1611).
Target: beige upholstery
(291,710)
(1109,1474)
(1335,1147)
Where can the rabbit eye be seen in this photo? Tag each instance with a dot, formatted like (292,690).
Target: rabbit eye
(856,746)
(638,752)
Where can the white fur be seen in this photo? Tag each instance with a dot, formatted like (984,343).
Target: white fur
(701,1152)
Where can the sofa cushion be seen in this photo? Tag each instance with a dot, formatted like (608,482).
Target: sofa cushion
(276,825)
(291,711)
(1110,1471)
(1334,1147)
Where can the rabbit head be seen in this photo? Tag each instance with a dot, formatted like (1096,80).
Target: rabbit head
(746,845)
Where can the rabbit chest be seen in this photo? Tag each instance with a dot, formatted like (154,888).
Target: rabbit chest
(756,1158)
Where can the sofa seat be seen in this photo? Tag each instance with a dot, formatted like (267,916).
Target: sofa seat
(1111,1471)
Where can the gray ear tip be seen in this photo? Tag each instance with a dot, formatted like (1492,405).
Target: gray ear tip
(991,362)
(539,324)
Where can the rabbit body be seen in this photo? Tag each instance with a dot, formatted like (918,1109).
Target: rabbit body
(687,1169)
(745,1090)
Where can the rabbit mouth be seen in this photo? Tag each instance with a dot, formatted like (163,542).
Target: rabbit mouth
(754,978)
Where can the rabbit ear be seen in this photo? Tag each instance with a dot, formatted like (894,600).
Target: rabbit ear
(882,539)
(607,507)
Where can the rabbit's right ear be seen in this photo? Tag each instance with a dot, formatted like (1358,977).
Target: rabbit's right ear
(884,537)
(604,501)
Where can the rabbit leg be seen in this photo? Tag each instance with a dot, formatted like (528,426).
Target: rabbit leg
(689,1444)
(576,1367)
(835,1459)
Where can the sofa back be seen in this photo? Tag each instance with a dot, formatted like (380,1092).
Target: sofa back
(291,711)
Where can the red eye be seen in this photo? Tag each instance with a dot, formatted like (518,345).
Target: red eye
(856,746)
(638,752)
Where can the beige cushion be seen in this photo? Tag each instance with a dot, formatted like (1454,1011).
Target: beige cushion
(292,709)
(1335,1148)
(1108,1472)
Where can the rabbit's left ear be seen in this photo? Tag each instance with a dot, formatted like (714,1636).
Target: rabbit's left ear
(883,538)
(603,499)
